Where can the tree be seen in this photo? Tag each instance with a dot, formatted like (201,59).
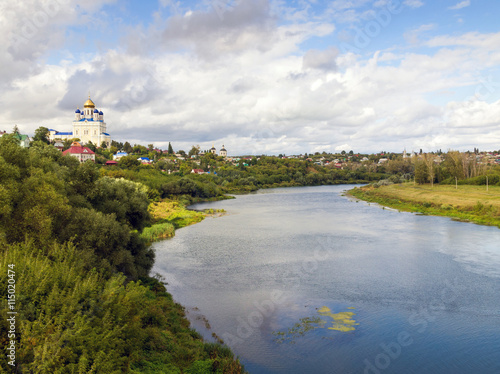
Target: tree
(421,174)
(15,130)
(127,199)
(127,147)
(118,146)
(170,149)
(104,145)
(91,146)
(194,151)
(429,163)
(129,162)
(42,134)
(139,149)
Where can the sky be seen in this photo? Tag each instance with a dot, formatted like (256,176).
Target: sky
(258,76)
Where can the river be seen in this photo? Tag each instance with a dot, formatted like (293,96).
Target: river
(308,280)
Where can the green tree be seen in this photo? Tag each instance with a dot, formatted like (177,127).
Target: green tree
(126,199)
(91,146)
(127,147)
(129,162)
(170,149)
(119,146)
(194,151)
(41,134)
(421,173)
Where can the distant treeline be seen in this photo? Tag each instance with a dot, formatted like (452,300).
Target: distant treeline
(266,172)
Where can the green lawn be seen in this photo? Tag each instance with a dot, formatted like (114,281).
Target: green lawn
(468,203)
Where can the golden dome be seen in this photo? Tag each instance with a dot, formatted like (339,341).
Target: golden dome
(89,104)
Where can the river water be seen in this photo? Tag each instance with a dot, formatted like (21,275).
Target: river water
(307,280)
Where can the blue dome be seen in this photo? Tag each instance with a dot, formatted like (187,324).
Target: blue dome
(101,113)
(77,111)
(96,111)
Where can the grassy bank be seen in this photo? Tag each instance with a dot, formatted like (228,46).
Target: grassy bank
(169,215)
(465,203)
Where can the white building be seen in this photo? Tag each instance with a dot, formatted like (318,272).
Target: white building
(223,151)
(119,155)
(88,126)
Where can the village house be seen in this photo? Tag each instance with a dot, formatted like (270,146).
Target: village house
(81,153)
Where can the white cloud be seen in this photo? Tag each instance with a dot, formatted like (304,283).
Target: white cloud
(460,5)
(412,36)
(253,84)
(322,60)
(413,3)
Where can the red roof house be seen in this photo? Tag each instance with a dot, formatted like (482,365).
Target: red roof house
(81,153)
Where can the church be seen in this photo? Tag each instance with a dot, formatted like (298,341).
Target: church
(88,126)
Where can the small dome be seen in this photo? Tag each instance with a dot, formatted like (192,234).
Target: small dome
(77,111)
(76,144)
(96,111)
(101,113)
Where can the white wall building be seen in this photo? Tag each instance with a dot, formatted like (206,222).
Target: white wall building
(88,126)
(223,151)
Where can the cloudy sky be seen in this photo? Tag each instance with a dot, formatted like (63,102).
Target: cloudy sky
(259,76)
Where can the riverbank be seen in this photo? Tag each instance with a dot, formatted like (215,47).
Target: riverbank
(465,203)
(169,215)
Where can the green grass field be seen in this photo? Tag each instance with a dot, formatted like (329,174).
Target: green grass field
(467,203)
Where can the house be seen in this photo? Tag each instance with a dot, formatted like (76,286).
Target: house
(111,163)
(59,145)
(197,171)
(24,140)
(119,155)
(81,153)
(144,160)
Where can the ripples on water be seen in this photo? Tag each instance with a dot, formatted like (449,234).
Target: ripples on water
(422,292)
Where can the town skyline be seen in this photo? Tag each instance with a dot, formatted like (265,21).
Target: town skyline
(261,77)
